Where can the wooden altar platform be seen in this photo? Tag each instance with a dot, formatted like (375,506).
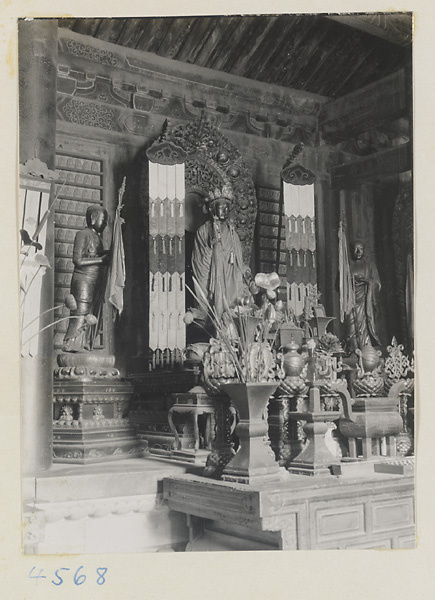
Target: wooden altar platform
(304,513)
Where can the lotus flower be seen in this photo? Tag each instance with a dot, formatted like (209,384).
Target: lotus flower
(267,281)
(188,318)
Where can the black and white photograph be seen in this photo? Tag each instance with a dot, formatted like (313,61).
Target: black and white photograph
(216,283)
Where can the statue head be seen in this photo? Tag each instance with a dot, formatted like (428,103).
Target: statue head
(357,249)
(96,217)
(220,208)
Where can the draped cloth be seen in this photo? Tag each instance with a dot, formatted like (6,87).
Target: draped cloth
(217,264)
(117,269)
(346,284)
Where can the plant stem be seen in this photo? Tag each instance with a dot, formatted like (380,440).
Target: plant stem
(47,326)
(41,315)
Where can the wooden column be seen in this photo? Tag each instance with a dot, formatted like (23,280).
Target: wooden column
(37,105)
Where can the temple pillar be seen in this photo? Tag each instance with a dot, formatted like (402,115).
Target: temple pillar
(37,105)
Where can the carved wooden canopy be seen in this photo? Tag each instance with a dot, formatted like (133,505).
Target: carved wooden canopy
(212,162)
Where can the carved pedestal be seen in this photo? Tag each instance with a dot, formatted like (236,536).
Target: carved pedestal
(287,436)
(190,408)
(222,447)
(315,458)
(90,418)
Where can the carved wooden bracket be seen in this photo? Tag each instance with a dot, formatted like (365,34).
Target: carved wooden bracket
(297,175)
(166,153)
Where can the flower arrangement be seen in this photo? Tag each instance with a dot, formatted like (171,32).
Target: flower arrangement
(242,349)
(329,343)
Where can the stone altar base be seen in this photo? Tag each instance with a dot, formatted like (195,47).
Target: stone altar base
(90,422)
(303,513)
(106,508)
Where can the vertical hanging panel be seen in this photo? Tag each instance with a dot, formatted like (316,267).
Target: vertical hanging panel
(300,239)
(167,263)
(179,279)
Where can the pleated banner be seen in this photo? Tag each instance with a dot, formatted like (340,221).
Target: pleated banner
(300,242)
(167,333)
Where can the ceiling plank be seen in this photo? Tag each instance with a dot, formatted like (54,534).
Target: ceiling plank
(157,33)
(226,40)
(109,29)
(175,36)
(263,26)
(131,33)
(66,23)
(87,26)
(393,27)
(279,28)
(209,40)
(316,51)
(144,39)
(298,46)
(201,29)
(346,50)
(307,52)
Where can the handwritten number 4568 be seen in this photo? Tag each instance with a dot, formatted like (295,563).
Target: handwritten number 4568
(79,578)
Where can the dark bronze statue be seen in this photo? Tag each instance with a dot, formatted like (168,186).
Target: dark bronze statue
(217,261)
(360,322)
(87,282)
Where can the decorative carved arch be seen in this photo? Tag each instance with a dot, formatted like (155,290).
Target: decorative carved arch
(211,161)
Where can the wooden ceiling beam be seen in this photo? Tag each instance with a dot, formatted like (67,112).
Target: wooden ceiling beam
(201,29)
(262,30)
(373,167)
(131,33)
(144,39)
(346,50)
(392,27)
(67,23)
(87,26)
(247,33)
(158,33)
(109,29)
(321,45)
(228,43)
(175,36)
(212,41)
(303,46)
(277,31)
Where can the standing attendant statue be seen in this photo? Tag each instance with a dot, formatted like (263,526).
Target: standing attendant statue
(360,322)
(87,282)
(217,261)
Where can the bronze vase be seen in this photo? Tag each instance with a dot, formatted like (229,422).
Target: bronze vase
(293,362)
(254,461)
